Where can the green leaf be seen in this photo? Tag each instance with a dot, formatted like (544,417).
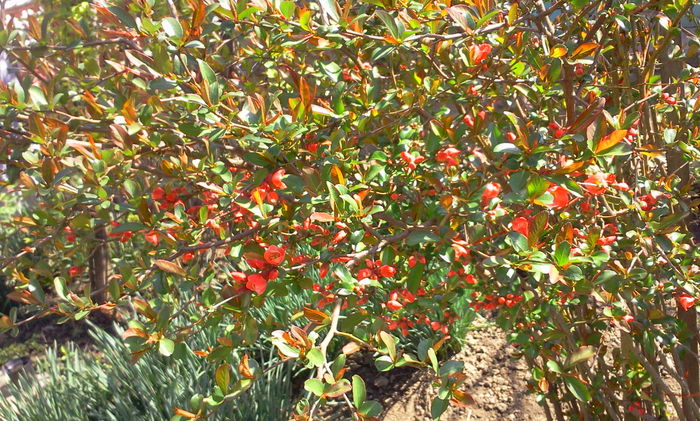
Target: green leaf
(390,344)
(433,359)
(507,148)
(128,226)
(166,347)
(37,96)
(562,253)
(670,135)
(331,9)
(333,194)
(389,22)
(536,185)
(449,367)
(337,389)
(314,386)
(370,409)
(123,16)
(384,363)
(131,187)
(421,237)
(437,407)
(552,365)
(415,275)
(222,377)
(577,388)
(173,29)
(315,357)
(359,393)
(573,273)
(207,73)
(518,241)
(59,285)
(287,9)
(580,355)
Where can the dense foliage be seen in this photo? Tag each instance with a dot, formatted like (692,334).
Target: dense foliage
(534,157)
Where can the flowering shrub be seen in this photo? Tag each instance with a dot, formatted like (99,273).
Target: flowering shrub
(534,157)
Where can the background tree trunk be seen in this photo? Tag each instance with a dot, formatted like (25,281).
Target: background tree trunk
(99,264)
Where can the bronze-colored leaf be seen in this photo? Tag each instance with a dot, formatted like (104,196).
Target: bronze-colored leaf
(170,267)
(610,140)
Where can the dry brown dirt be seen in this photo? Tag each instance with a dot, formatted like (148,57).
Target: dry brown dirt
(496,382)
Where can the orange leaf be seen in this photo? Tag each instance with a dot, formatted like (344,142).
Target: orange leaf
(315,315)
(570,168)
(463,399)
(351,348)
(557,51)
(183,413)
(610,140)
(5,322)
(131,332)
(584,50)
(322,217)
(170,267)
(244,367)
(338,174)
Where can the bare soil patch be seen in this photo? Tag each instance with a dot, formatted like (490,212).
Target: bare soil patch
(496,381)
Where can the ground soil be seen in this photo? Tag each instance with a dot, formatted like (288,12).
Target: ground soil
(497,382)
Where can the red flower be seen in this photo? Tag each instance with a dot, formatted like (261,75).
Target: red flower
(256,263)
(152,237)
(560,195)
(557,130)
(274,255)
(628,318)
(490,191)
(448,156)
(158,194)
(521,225)
(468,120)
(276,179)
(686,301)
(636,408)
(238,277)
(668,98)
(324,271)
(187,257)
(394,305)
(387,271)
(312,147)
(596,184)
(511,137)
(256,283)
(74,271)
(70,236)
(479,53)
(461,248)
(338,237)
(412,161)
